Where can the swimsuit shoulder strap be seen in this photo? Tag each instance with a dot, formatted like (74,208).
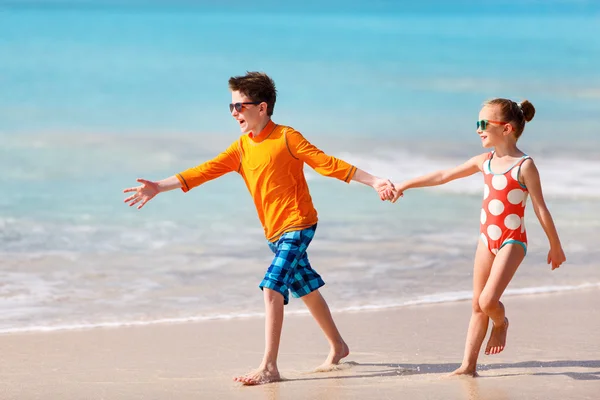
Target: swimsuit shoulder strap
(518,167)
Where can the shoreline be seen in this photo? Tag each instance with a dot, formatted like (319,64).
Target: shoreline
(426,300)
(552,353)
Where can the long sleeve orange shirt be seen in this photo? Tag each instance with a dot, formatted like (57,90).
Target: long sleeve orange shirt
(271,165)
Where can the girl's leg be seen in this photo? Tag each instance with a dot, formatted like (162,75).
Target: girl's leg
(503,269)
(268,372)
(320,312)
(478,324)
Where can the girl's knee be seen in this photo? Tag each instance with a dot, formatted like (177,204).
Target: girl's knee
(487,304)
(475,306)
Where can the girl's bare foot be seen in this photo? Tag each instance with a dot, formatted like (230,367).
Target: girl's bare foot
(333,359)
(497,340)
(259,377)
(466,371)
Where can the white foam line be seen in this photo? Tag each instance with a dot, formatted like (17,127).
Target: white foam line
(467,295)
(130,323)
(423,300)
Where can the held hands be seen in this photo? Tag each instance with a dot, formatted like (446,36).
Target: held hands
(143,193)
(385,189)
(556,256)
(388,191)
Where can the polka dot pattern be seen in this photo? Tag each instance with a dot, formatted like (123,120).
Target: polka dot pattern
(512,221)
(494,232)
(503,210)
(514,173)
(496,207)
(516,196)
(499,182)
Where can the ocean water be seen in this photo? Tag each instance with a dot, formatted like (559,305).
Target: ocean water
(96,94)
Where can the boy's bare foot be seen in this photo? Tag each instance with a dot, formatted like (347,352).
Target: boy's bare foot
(259,377)
(464,371)
(333,359)
(497,340)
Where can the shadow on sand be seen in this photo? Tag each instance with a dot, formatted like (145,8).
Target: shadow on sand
(393,369)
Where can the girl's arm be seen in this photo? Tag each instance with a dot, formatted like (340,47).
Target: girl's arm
(531,179)
(443,176)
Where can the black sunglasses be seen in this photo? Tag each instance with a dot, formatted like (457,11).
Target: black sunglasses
(240,106)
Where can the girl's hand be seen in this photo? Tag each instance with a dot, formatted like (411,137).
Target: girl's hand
(398,192)
(143,193)
(385,189)
(556,256)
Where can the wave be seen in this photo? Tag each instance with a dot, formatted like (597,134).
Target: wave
(447,297)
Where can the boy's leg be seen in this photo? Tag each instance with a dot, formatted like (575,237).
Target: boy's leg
(320,312)
(288,250)
(268,372)
(503,269)
(478,324)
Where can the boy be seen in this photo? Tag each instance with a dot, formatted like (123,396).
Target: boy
(270,159)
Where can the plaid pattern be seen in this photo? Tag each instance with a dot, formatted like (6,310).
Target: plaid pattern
(290,270)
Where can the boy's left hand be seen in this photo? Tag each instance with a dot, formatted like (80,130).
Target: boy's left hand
(385,189)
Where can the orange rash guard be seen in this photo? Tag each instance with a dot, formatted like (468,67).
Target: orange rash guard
(271,165)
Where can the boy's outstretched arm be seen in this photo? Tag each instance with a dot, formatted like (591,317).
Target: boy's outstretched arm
(531,179)
(440,177)
(384,187)
(148,189)
(226,162)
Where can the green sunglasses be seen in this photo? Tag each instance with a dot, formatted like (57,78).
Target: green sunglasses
(483,123)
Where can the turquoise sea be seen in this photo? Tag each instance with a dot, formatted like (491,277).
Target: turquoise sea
(95,94)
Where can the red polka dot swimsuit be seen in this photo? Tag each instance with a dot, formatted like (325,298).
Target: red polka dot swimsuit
(503,209)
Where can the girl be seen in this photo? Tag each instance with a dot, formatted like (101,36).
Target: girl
(509,176)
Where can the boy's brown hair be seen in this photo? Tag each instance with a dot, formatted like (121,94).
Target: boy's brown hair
(257,86)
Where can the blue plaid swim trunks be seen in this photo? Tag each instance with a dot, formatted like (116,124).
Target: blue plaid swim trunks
(290,270)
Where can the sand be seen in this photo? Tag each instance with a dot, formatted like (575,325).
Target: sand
(553,352)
